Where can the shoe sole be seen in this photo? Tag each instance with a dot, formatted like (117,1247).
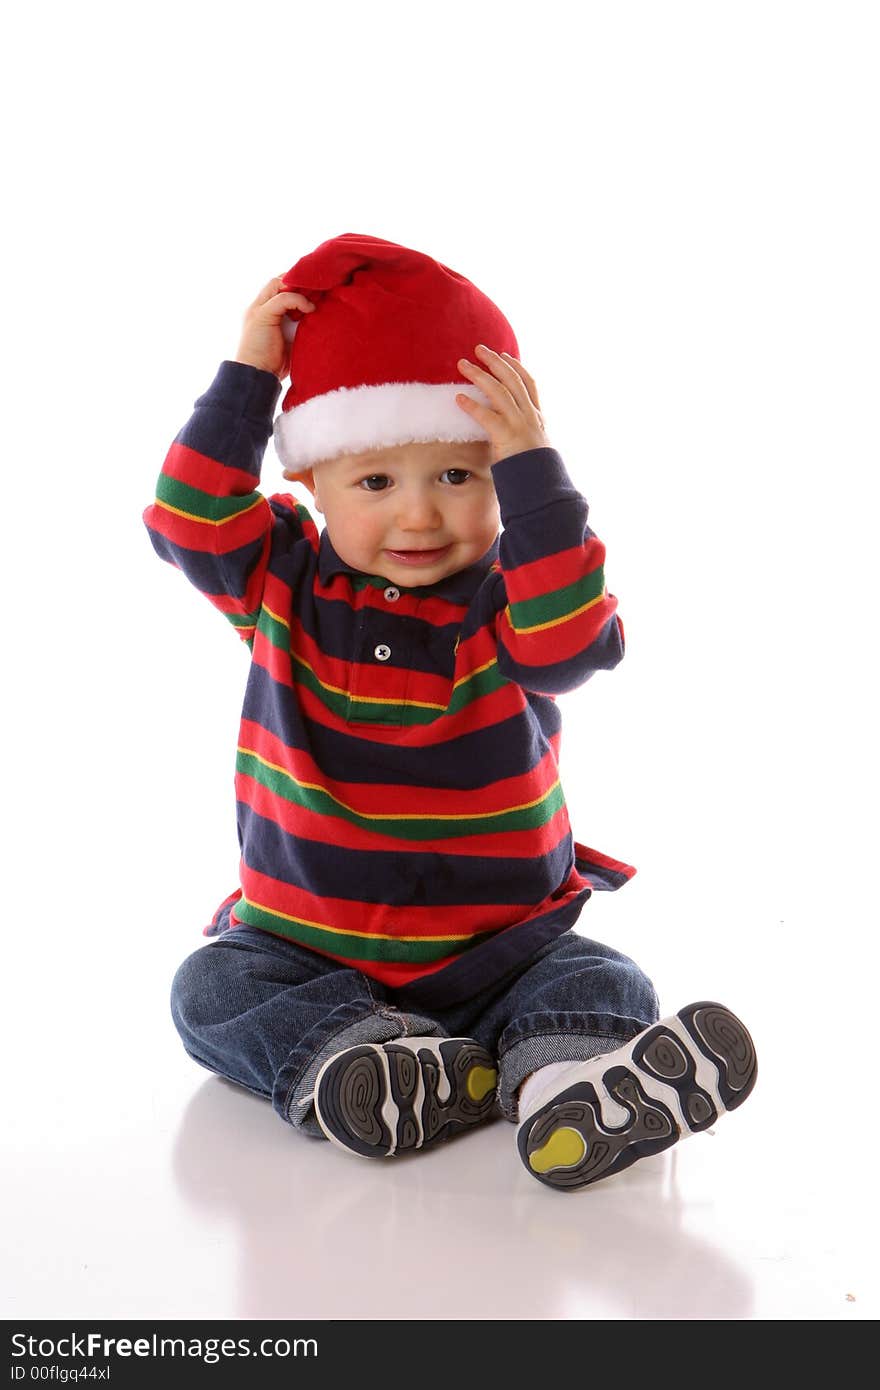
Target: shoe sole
(378,1099)
(673,1080)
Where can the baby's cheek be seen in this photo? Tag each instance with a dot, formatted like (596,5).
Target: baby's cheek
(487,518)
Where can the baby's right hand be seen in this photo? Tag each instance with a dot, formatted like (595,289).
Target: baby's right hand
(262,343)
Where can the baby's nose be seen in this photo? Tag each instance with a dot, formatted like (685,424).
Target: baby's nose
(419,512)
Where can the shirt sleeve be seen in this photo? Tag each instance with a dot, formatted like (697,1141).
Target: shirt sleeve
(208,517)
(556,622)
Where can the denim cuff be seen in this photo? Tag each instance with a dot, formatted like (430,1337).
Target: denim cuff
(346,1026)
(539,1039)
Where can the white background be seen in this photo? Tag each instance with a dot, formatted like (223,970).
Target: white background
(676,206)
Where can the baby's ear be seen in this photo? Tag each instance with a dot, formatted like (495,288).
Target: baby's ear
(306,476)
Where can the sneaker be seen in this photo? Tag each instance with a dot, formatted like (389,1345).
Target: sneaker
(377,1099)
(672,1080)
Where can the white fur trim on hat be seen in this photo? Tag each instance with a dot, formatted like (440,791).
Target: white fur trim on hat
(352,419)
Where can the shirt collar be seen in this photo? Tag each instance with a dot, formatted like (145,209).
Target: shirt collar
(456,588)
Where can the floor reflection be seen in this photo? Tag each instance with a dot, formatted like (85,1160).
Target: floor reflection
(458,1231)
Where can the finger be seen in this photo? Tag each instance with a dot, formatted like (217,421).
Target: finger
(273,289)
(529,381)
(520,384)
(270,289)
(272,311)
(502,395)
(292,299)
(476,408)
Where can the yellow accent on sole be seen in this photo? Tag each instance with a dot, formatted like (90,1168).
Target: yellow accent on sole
(563,1149)
(480,1081)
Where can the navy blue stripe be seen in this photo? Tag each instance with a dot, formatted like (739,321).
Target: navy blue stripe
(559,523)
(210,573)
(397,877)
(534,474)
(486,605)
(229,573)
(232,421)
(507,749)
(601,655)
(564,531)
(603,878)
(489,962)
(351,634)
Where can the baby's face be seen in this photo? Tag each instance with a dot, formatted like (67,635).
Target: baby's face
(414,513)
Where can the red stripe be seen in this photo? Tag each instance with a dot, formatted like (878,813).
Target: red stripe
(477,650)
(334,830)
(377,798)
(481,713)
(594,856)
(553,645)
(204,535)
(368,679)
(378,919)
(398,974)
(505,702)
(390,684)
(555,571)
(333,670)
(390,973)
(438,612)
(197,470)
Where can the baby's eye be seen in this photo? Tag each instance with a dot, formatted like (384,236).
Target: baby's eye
(456,476)
(376,482)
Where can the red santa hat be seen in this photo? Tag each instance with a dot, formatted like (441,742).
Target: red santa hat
(374,364)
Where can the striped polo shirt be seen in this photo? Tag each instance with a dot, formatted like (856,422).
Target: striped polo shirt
(397,779)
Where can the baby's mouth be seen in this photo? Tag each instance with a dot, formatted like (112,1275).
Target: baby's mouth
(420,557)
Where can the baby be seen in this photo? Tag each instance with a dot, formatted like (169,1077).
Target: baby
(398,959)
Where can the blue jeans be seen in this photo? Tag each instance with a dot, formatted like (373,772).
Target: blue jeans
(267,1013)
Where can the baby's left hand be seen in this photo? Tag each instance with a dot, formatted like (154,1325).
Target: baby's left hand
(515,424)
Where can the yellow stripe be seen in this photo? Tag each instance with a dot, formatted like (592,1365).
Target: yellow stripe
(205,520)
(277,616)
(478,671)
(554,622)
(343,931)
(373,699)
(395,815)
(362,699)
(379,699)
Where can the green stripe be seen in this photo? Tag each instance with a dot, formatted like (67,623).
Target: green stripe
(547,608)
(360,581)
(278,634)
(387,711)
(474,686)
(243,619)
(242,622)
(336,701)
(315,799)
(199,503)
(399,712)
(354,947)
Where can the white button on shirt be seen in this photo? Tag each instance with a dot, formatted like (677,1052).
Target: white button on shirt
(392,594)
(381,653)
